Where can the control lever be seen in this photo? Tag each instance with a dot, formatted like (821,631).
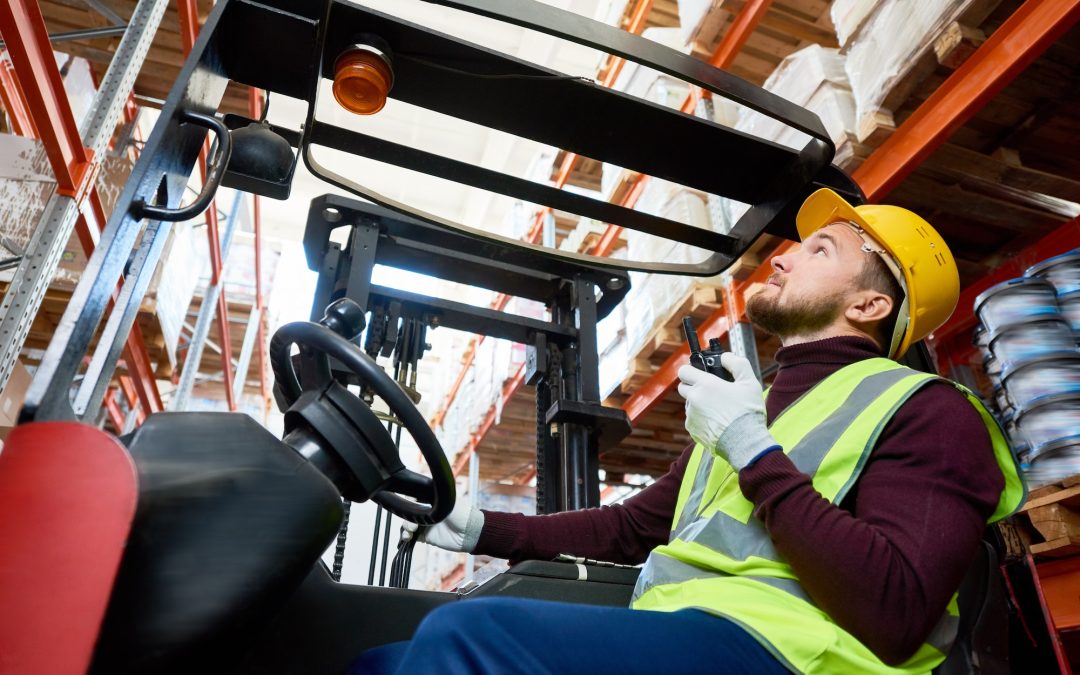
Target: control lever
(708,360)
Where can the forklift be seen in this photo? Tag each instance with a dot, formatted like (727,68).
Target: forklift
(195,543)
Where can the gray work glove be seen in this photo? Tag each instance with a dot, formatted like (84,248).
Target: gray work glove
(458,532)
(727,417)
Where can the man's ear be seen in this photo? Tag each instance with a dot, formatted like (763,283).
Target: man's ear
(868,308)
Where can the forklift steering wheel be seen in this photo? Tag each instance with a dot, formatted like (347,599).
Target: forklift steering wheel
(339,433)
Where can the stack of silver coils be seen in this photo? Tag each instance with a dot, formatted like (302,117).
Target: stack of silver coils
(1028,337)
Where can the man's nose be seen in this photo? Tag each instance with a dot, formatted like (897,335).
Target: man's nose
(781,263)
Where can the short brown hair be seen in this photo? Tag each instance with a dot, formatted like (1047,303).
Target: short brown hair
(875,276)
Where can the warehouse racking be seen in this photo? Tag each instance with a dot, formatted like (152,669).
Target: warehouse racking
(140,69)
(988,93)
(937,109)
(972,136)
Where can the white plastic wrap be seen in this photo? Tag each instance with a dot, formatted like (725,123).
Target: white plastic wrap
(653,296)
(674,202)
(802,73)
(849,15)
(892,38)
(614,367)
(611,11)
(813,77)
(650,84)
(575,241)
(507,498)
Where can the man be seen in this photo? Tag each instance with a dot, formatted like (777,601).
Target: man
(822,528)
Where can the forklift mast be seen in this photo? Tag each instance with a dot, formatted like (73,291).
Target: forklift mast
(572,426)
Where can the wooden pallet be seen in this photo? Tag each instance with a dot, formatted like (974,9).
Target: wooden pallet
(956,42)
(1049,523)
(626,181)
(667,336)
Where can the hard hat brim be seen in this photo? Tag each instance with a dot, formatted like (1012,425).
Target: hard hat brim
(825,207)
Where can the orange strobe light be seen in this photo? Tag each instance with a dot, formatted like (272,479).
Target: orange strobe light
(362,79)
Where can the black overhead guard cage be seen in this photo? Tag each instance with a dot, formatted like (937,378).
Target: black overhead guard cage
(288,46)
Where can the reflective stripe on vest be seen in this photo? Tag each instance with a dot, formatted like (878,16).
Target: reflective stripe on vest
(721,559)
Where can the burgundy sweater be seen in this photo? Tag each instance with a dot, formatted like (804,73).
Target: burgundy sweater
(883,564)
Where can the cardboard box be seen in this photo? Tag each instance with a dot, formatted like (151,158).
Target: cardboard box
(12,398)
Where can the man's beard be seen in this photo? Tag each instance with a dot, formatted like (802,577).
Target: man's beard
(793,316)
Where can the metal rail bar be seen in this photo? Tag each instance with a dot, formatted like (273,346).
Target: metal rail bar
(381,150)
(251,333)
(741,28)
(104,10)
(120,322)
(182,394)
(13,100)
(189,29)
(84,34)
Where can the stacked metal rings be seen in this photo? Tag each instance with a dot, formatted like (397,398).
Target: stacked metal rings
(1028,337)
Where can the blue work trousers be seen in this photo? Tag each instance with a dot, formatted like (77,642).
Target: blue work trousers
(533,637)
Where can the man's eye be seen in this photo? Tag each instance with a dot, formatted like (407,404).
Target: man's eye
(819,250)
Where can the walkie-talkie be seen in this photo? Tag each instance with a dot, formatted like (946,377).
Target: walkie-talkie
(708,360)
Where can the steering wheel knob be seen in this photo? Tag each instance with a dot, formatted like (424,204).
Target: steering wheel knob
(345,317)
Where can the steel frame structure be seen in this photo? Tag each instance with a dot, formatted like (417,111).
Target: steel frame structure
(74,155)
(31,90)
(783,176)
(257,59)
(562,363)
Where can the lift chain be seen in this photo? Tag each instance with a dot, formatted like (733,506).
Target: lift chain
(339,549)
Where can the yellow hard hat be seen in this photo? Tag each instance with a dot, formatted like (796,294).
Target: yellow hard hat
(919,254)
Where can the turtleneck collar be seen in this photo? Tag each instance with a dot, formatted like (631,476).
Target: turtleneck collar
(804,365)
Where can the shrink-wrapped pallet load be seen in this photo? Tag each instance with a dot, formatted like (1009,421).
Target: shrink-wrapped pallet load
(882,43)
(813,77)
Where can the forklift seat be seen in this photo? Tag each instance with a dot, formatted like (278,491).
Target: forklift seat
(982,640)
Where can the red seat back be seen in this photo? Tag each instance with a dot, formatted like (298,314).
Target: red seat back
(67,498)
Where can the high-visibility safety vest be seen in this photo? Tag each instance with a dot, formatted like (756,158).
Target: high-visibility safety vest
(721,560)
